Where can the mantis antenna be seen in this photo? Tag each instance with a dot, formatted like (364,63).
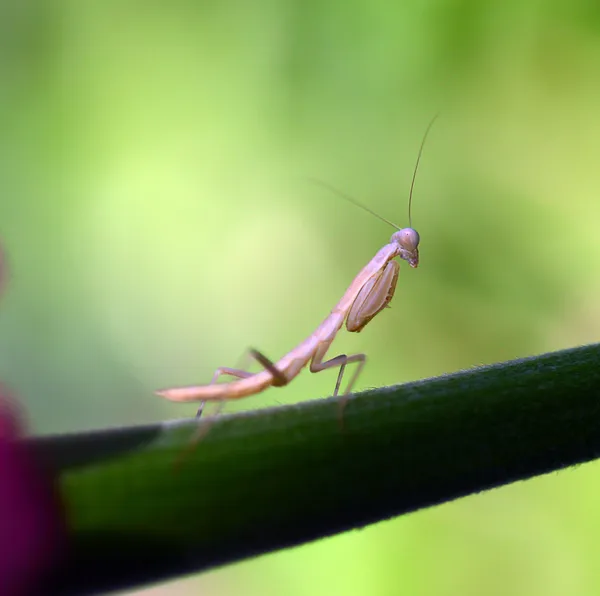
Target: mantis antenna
(412,185)
(352,200)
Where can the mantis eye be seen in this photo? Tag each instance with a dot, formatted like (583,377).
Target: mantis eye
(407,238)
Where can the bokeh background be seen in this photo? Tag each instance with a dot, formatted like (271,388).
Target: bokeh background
(158,220)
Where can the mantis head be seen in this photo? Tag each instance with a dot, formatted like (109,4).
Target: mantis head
(408,241)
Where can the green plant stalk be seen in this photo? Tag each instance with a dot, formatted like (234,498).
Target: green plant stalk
(270,479)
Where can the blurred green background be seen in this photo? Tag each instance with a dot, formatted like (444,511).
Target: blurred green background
(158,220)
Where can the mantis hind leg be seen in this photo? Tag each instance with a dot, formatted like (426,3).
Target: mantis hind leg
(279,378)
(317,364)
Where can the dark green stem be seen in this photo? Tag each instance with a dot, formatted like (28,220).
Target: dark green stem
(269,479)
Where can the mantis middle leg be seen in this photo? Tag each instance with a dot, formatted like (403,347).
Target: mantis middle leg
(317,364)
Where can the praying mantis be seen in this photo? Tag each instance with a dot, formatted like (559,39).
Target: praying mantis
(369,293)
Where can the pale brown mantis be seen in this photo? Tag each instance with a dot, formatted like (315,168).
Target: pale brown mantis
(369,293)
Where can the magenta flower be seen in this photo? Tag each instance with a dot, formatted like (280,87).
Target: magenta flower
(32,531)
